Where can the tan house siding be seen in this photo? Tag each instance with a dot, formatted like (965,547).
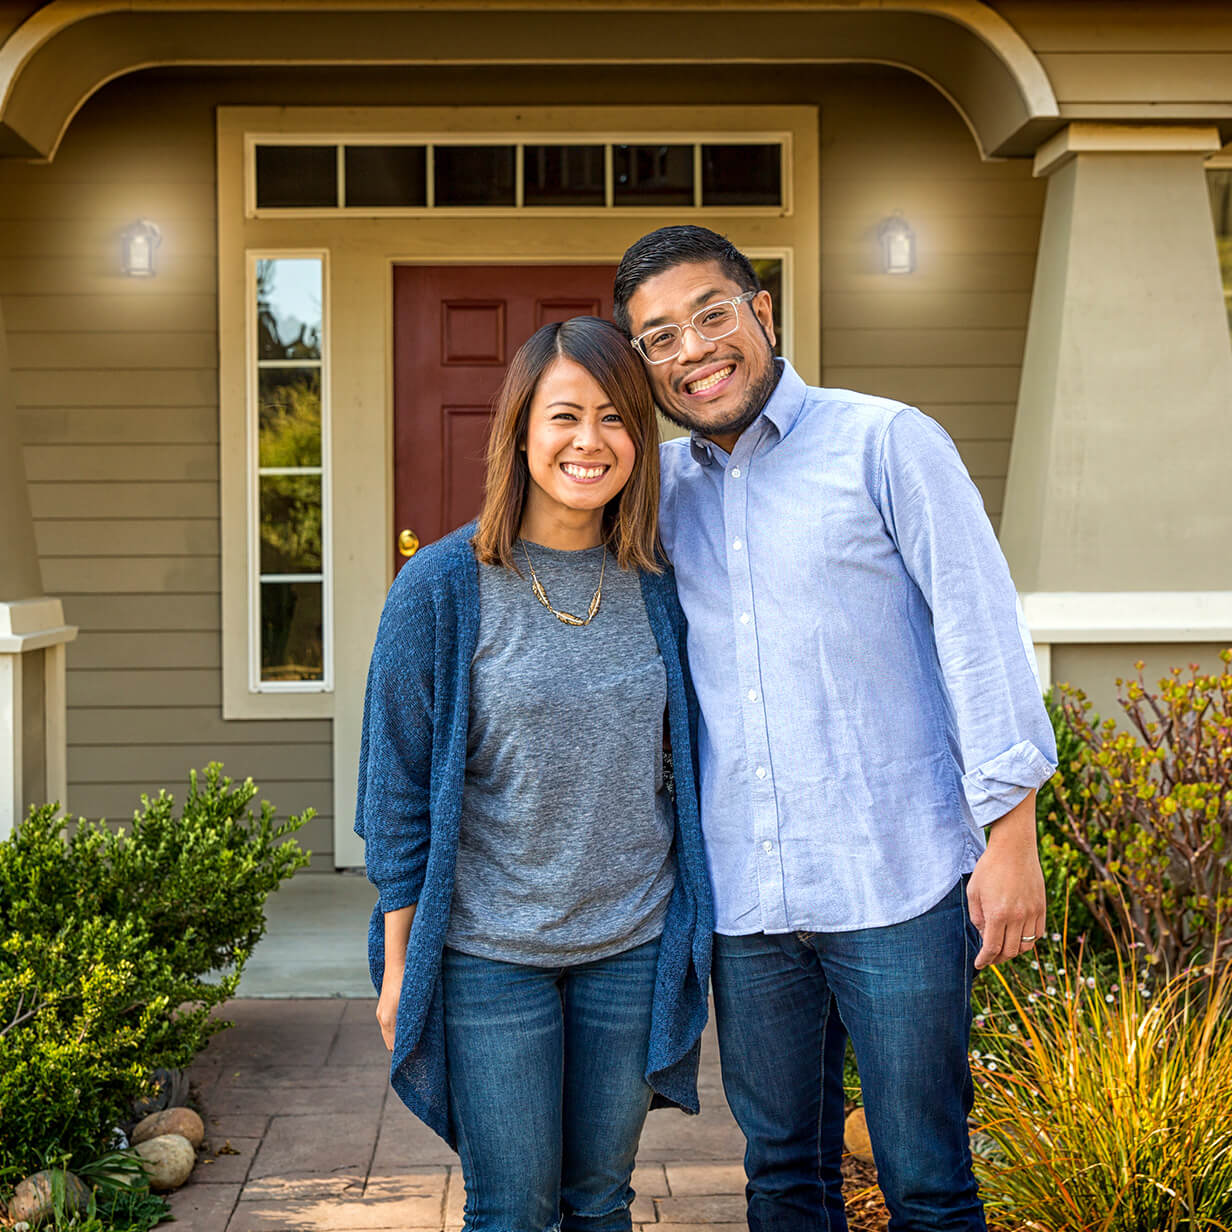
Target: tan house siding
(117,379)
(116,389)
(948,338)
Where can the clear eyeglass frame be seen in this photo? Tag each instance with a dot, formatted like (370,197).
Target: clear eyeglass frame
(639,343)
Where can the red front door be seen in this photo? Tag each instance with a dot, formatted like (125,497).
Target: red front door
(455,330)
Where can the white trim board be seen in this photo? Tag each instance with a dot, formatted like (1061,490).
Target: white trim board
(1074,617)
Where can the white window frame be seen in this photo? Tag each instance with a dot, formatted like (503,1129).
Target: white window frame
(255,472)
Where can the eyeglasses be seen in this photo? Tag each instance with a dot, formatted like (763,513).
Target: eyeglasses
(714,321)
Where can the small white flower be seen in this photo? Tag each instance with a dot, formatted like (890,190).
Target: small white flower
(1035,966)
(1051,989)
(1056,936)
(992,1065)
(1109,998)
(1090,981)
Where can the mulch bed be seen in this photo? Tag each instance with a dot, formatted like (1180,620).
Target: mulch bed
(866,1212)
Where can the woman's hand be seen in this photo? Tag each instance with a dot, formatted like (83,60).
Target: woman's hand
(397,935)
(387,1005)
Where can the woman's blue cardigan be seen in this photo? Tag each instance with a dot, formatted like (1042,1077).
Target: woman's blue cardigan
(411,766)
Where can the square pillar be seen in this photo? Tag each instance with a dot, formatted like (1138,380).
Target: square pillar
(33,729)
(1118,469)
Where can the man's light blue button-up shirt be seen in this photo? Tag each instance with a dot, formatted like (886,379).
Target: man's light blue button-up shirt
(868,701)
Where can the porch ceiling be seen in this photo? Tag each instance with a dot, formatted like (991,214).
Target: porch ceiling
(54,60)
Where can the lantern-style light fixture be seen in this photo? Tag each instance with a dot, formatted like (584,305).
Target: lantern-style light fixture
(897,244)
(139,242)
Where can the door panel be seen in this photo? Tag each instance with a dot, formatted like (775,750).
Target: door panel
(455,330)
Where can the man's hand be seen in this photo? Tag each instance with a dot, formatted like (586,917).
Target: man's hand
(1005,894)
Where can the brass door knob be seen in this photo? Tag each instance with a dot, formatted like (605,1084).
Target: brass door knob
(408,543)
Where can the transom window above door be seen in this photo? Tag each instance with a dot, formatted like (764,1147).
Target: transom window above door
(315,176)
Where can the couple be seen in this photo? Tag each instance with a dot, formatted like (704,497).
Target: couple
(865,704)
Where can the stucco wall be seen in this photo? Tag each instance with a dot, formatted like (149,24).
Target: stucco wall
(116,378)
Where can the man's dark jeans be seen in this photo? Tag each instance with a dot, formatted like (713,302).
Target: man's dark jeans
(904,994)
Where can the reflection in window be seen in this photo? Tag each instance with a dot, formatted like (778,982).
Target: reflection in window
(742,174)
(386,176)
(563,175)
(297,176)
(1220,185)
(290,507)
(769,271)
(474,174)
(652,174)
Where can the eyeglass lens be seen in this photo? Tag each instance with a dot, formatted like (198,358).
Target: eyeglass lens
(712,323)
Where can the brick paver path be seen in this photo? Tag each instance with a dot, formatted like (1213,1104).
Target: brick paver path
(303,1133)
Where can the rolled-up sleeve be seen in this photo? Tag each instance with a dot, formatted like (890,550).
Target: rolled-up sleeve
(937,519)
(392,813)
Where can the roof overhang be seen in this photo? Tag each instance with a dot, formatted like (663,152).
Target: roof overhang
(66,50)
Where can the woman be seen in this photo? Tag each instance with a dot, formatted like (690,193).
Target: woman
(541,944)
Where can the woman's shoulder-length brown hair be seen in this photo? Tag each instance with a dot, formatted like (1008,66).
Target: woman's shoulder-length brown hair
(631,519)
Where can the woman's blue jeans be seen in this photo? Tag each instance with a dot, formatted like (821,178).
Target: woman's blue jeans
(904,994)
(546,1082)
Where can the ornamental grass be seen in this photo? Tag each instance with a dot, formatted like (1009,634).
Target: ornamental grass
(1105,1104)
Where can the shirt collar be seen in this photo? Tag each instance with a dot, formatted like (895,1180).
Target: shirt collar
(780,412)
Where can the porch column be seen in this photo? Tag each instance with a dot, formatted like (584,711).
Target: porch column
(33,737)
(1116,518)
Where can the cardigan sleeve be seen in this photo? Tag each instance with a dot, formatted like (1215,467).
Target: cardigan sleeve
(395,758)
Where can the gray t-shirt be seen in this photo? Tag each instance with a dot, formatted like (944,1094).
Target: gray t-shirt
(564,854)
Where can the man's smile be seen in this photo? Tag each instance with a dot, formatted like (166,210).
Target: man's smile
(710,379)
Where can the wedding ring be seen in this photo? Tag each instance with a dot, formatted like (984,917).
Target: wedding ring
(1033,937)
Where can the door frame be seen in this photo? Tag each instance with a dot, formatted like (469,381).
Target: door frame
(362,258)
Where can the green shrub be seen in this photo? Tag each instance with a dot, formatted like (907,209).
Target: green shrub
(1066,868)
(1149,809)
(113,954)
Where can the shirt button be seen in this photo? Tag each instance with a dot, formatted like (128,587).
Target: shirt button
(737,544)
(760,772)
(735,472)
(752,695)
(767,845)
(744,618)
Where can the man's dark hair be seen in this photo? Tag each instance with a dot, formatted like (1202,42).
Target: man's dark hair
(671,246)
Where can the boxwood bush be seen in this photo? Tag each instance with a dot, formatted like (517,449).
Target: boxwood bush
(115,945)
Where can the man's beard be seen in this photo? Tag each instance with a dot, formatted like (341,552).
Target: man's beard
(754,401)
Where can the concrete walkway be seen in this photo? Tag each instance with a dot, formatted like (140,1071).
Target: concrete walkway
(303,1131)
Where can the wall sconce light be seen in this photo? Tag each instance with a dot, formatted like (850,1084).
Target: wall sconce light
(139,242)
(897,244)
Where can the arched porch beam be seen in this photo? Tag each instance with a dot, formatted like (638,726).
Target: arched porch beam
(55,60)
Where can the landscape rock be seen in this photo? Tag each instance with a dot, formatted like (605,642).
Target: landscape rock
(182,1121)
(168,1160)
(855,1136)
(34,1199)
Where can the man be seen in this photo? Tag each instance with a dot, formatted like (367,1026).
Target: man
(868,706)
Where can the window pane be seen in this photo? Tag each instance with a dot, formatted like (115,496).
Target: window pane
(1220,185)
(769,271)
(292,631)
(289,308)
(290,523)
(562,175)
(474,175)
(652,174)
(386,175)
(296,175)
(741,175)
(289,410)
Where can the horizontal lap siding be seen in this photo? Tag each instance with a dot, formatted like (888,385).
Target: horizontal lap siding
(116,385)
(948,338)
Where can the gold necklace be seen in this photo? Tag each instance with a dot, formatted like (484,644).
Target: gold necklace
(566,618)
